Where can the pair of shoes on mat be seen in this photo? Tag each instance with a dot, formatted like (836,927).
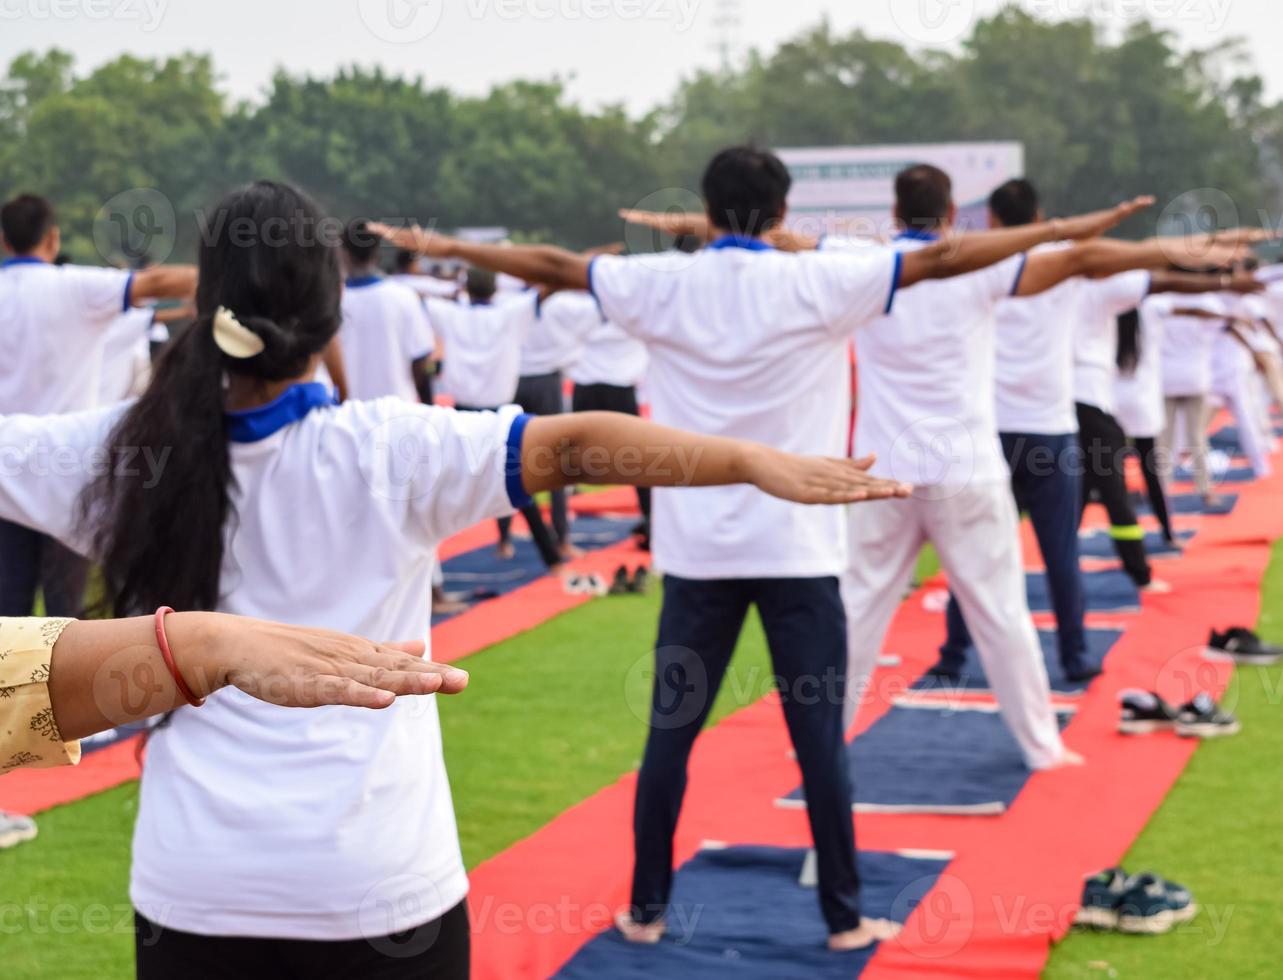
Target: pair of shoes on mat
(591,584)
(1244,646)
(624,585)
(1144,904)
(15,830)
(1144,713)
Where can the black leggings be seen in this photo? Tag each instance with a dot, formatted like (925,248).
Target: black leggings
(436,950)
(1104,477)
(1147,450)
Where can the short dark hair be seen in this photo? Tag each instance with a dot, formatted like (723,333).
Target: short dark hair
(25,221)
(923,196)
(404,260)
(1015,203)
(746,190)
(360,244)
(482,284)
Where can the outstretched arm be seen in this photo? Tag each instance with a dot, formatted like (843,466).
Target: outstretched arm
(1100,258)
(110,672)
(162,282)
(546,265)
(609,448)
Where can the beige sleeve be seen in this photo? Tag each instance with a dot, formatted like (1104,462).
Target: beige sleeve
(29,736)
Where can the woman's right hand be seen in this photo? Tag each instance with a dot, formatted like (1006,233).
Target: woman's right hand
(299,667)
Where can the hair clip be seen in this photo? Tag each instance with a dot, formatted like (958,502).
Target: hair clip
(235,339)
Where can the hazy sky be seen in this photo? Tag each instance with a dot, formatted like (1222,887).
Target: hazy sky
(630,51)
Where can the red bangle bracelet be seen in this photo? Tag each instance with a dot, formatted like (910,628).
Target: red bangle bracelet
(168,654)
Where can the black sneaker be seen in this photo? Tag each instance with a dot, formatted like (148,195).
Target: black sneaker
(1152,906)
(619,584)
(641,581)
(1101,895)
(1203,718)
(1145,712)
(1245,647)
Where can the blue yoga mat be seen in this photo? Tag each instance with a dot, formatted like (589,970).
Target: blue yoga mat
(1098,544)
(483,571)
(1107,591)
(1099,643)
(934,760)
(1235,474)
(740,914)
(1192,503)
(1226,439)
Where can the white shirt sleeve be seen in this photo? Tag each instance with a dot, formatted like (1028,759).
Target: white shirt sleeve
(450,469)
(45,463)
(1115,295)
(416,332)
(851,284)
(102,294)
(625,288)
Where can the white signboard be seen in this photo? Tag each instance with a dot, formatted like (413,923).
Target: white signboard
(851,189)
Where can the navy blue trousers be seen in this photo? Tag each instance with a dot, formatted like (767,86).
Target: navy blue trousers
(698,628)
(1046,477)
(29,561)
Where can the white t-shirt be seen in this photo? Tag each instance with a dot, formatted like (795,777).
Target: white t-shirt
(610,357)
(1102,302)
(333,823)
(926,378)
(426,286)
(752,344)
(1188,343)
(53,327)
(126,359)
(385,329)
(1034,378)
(555,338)
(1138,398)
(482,357)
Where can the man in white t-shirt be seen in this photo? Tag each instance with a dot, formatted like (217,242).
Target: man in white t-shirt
(551,345)
(749,341)
(386,339)
(606,374)
(481,370)
(1041,355)
(54,326)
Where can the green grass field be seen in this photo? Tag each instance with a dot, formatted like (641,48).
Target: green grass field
(572,694)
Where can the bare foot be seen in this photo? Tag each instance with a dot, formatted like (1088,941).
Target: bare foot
(1157,587)
(570,552)
(1068,759)
(444,605)
(647,934)
(1212,501)
(870,931)
(506,551)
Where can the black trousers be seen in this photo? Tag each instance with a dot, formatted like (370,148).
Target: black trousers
(543,538)
(542,394)
(436,950)
(612,398)
(31,560)
(698,628)
(1150,465)
(1104,478)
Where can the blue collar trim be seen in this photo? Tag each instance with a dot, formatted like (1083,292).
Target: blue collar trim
(360,282)
(917,235)
(22,260)
(480,302)
(256,424)
(741,241)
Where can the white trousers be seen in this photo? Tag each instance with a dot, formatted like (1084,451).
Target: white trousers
(976,530)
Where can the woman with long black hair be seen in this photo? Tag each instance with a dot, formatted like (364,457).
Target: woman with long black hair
(312,844)
(1140,409)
